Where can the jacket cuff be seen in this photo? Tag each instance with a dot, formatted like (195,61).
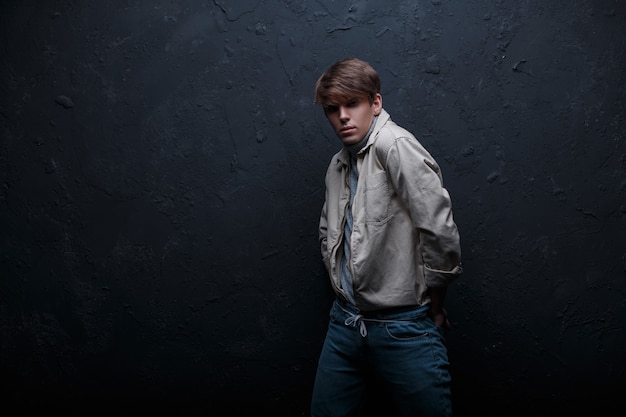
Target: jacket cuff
(439,277)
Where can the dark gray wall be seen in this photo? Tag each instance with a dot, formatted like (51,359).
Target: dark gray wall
(161,175)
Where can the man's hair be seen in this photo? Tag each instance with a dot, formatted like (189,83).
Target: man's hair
(346,79)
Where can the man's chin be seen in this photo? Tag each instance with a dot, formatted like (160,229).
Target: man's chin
(349,140)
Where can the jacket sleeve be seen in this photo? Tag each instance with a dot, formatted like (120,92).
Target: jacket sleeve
(323,226)
(418,181)
(323,233)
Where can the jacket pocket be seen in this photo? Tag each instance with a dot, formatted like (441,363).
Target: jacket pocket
(376,198)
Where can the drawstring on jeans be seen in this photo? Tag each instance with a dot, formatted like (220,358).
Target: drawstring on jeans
(356,320)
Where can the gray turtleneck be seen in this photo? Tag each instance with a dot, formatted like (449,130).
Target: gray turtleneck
(346,274)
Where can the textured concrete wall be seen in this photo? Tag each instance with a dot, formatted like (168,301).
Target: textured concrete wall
(161,175)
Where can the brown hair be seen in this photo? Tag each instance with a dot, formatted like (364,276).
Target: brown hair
(347,79)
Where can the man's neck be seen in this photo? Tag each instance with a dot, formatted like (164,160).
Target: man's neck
(356,147)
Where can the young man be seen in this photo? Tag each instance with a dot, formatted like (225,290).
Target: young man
(391,248)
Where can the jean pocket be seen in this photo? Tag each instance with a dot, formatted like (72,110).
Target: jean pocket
(406,330)
(336,315)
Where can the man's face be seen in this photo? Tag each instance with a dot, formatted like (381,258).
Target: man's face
(352,119)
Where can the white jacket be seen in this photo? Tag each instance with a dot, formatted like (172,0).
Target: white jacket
(404,238)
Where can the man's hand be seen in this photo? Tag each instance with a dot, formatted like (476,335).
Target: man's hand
(437,312)
(440,317)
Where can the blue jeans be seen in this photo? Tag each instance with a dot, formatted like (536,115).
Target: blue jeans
(402,351)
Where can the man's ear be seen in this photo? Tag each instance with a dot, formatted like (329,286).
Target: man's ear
(377,104)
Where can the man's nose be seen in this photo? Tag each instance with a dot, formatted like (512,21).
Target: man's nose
(343,113)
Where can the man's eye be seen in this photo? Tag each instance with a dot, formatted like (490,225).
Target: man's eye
(331,109)
(352,103)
